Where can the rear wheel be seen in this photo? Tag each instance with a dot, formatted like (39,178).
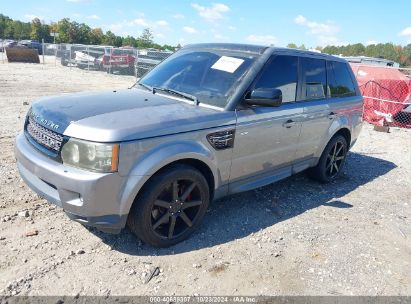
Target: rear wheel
(331,161)
(170,207)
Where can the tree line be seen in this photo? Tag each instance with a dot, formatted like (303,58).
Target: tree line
(73,32)
(390,51)
(69,31)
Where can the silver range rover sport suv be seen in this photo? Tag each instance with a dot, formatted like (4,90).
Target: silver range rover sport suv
(209,121)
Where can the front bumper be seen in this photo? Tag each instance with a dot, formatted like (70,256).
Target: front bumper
(90,198)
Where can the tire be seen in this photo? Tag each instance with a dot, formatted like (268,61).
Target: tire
(329,167)
(170,206)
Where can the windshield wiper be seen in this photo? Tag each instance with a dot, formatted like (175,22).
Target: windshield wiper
(178,93)
(146,86)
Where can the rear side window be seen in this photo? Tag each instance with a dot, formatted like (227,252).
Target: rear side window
(314,82)
(339,80)
(281,73)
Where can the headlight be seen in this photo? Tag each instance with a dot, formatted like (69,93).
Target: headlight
(91,156)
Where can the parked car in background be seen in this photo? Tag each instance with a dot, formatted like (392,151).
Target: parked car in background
(148,59)
(31,44)
(80,55)
(211,120)
(118,60)
(88,58)
(7,43)
(84,60)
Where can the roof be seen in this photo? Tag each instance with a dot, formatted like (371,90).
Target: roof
(229,46)
(259,49)
(306,53)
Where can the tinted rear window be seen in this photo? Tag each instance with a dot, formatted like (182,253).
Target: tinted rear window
(314,78)
(339,80)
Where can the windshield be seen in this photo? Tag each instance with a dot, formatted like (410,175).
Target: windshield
(209,75)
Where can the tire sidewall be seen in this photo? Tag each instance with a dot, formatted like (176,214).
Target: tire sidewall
(323,160)
(142,207)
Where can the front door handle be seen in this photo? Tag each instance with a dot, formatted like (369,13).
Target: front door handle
(332,115)
(289,123)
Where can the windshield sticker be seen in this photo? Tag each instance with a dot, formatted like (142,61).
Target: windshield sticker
(227,64)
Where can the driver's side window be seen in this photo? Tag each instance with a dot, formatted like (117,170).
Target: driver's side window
(281,73)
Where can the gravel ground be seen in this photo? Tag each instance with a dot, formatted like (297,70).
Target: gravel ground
(295,237)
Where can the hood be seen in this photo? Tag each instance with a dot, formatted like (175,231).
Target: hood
(124,115)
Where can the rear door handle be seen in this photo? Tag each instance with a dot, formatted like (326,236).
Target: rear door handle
(332,115)
(289,123)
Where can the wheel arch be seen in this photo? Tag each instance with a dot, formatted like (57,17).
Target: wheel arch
(201,166)
(343,130)
(346,133)
(199,158)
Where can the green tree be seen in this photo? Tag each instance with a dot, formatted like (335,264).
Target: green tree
(39,31)
(292,46)
(145,40)
(83,34)
(109,38)
(168,47)
(407,50)
(332,50)
(4,21)
(22,30)
(130,41)
(407,53)
(96,36)
(357,49)
(72,32)
(36,30)
(386,51)
(45,33)
(118,41)
(63,28)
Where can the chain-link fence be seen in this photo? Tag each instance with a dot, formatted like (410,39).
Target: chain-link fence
(387,94)
(113,60)
(147,59)
(123,61)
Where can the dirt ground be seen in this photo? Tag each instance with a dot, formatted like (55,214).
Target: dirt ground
(295,237)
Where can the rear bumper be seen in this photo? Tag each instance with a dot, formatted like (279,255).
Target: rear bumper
(118,66)
(87,197)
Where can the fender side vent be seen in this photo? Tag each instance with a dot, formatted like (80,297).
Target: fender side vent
(222,140)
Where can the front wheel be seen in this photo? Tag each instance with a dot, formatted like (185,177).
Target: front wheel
(331,161)
(170,206)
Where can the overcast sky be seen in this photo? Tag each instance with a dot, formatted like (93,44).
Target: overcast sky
(311,23)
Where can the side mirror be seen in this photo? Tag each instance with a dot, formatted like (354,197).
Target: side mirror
(265,97)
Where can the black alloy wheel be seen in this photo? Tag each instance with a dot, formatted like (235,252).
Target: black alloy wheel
(176,208)
(335,159)
(332,160)
(170,206)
